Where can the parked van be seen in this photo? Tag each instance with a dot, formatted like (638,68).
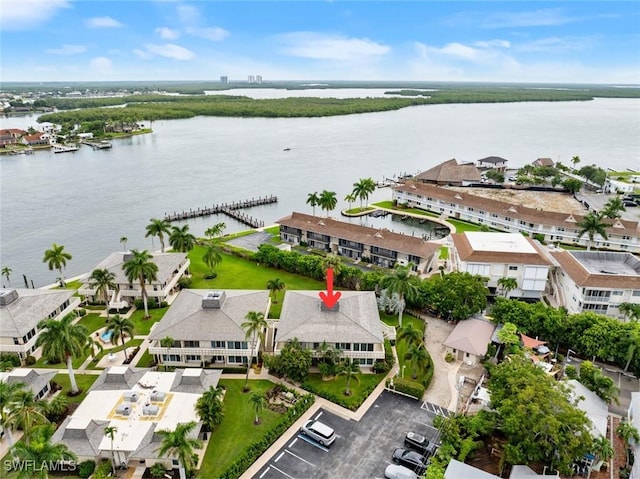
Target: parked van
(319,431)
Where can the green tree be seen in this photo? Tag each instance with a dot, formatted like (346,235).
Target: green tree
(575,160)
(328,201)
(258,402)
(159,228)
(141,268)
(124,240)
(350,198)
(419,357)
(294,361)
(62,341)
(508,336)
(91,346)
(110,432)
(28,412)
(458,295)
(334,262)
(103,280)
(210,407)
(56,409)
(314,200)
(591,225)
(602,448)
(595,380)
(56,258)
(613,207)
(181,240)
(495,175)
(215,230)
(630,310)
(629,434)
(212,255)
(572,185)
(402,283)
(9,394)
(39,452)
(363,188)
(411,335)
(349,368)
(507,285)
(120,327)
(254,328)
(275,285)
(6,272)
(180,444)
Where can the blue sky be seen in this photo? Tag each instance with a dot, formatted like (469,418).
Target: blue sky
(517,41)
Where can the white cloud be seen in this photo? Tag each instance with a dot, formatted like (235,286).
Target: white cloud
(478,52)
(167,33)
(169,50)
(101,65)
(211,33)
(142,54)
(325,47)
(27,14)
(188,14)
(67,50)
(537,18)
(555,44)
(102,22)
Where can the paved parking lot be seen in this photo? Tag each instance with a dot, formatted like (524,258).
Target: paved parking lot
(362,450)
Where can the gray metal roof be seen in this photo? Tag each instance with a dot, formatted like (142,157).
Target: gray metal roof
(32,306)
(195,384)
(471,336)
(81,441)
(33,379)
(151,443)
(356,321)
(594,407)
(125,378)
(167,263)
(187,320)
(460,470)
(118,378)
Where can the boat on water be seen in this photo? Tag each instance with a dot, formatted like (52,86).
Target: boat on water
(65,148)
(99,145)
(286,149)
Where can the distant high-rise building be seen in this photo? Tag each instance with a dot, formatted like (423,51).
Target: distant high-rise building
(224,80)
(252,79)
(258,78)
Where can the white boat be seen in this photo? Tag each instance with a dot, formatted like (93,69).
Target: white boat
(65,148)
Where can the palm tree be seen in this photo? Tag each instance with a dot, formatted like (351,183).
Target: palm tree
(56,258)
(628,433)
(8,398)
(254,328)
(418,355)
(258,402)
(6,272)
(57,408)
(507,285)
(410,334)
(332,261)
(35,455)
(123,240)
(630,310)
(591,225)
(181,240)
(575,160)
(141,267)
(120,327)
(314,200)
(350,198)
(401,282)
(158,228)
(91,346)
(215,230)
(602,448)
(349,368)
(613,207)
(210,408)
(103,280)
(363,188)
(275,285)
(328,201)
(62,341)
(179,444)
(28,412)
(633,340)
(212,256)
(110,432)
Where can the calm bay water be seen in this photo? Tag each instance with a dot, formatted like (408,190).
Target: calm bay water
(87,200)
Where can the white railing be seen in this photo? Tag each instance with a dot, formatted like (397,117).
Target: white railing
(389,332)
(202,351)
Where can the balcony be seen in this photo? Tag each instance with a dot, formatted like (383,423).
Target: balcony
(202,351)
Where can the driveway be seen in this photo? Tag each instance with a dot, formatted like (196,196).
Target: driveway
(252,241)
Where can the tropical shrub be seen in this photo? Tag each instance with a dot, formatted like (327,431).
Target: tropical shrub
(152,303)
(407,386)
(86,468)
(29,360)
(157,470)
(184,283)
(210,274)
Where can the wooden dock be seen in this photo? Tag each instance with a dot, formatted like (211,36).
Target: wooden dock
(229,209)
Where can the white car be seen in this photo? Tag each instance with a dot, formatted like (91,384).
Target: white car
(319,431)
(395,471)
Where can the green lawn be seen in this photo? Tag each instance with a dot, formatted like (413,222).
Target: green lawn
(145,360)
(418,211)
(385,204)
(77,362)
(401,348)
(444,252)
(84,382)
(236,235)
(273,230)
(334,389)
(359,209)
(463,226)
(130,345)
(237,431)
(92,321)
(143,326)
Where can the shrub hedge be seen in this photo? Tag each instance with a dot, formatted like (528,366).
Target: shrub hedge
(407,386)
(352,402)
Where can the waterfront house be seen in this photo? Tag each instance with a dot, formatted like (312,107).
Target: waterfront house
(492,163)
(543,162)
(450,173)
(171,267)
(503,255)
(38,138)
(470,339)
(22,309)
(378,246)
(138,403)
(548,226)
(353,325)
(10,136)
(596,281)
(618,186)
(206,328)
(38,382)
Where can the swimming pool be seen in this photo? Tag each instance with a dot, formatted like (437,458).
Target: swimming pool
(106,336)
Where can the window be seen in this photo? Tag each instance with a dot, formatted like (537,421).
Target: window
(617,293)
(174,358)
(636,293)
(193,357)
(513,268)
(218,344)
(191,344)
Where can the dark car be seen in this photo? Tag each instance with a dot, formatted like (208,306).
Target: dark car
(419,443)
(410,459)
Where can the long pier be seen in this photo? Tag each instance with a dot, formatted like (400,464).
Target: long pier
(229,209)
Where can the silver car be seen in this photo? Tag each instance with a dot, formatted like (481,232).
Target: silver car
(395,471)
(318,431)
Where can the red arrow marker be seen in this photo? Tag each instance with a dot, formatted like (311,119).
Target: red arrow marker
(329,298)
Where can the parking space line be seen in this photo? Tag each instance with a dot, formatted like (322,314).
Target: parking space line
(265,471)
(278,458)
(298,457)
(293,442)
(319,414)
(282,472)
(313,443)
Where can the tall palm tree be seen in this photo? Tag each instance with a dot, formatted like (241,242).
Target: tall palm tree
(8,398)
(332,261)
(410,335)
(215,230)
(28,412)
(56,258)
(181,240)
(418,355)
(630,310)
(275,285)
(212,256)
(158,228)
(363,188)
(350,198)
(120,327)
(103,280)
(91,346)
(258,402)
(591,225)
(110,432)
(210,407)
(575,160)
(613,207)
(179,444)
(314,200)
(40,451)
(6,272)
(351,369)
(123,240)
(401,282)
(141,268)
(507,285)
(328,201)
(254,328)
(62,341)
(628,433)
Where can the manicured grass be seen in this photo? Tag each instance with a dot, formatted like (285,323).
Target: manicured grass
(84,382)
(444,252)
(237,431)
(333,390)
(92,322)
(359,209)
(273,230)
(236,235)
(463,226)
(385,204)
(145,360)
(389,319)
(77,362)
(143,326)
(72,285)
(402,346)
(130,345)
